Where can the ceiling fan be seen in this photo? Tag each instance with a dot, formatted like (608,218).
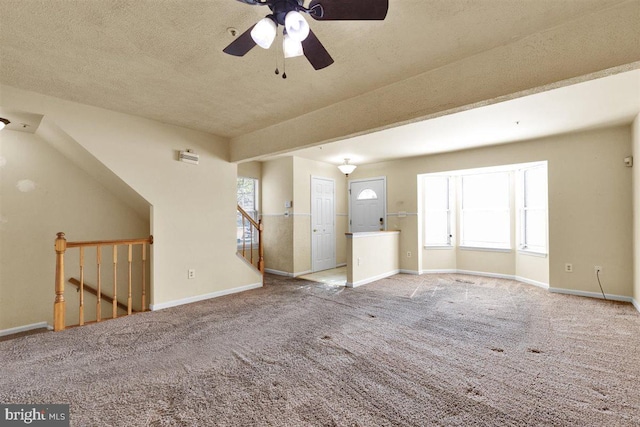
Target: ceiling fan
(298,39)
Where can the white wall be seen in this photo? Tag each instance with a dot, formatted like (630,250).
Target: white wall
(194,207)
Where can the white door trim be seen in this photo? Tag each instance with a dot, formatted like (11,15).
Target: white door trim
(384,190)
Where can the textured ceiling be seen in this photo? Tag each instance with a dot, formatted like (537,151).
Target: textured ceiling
(163,59)
(607,101)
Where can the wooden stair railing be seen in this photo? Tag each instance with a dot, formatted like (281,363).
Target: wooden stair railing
(87,287)
(254,227)
(61,245)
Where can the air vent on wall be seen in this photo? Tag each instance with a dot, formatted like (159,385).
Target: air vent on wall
(189,157)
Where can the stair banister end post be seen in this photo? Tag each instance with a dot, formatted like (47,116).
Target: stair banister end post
(59,303)
(260,247)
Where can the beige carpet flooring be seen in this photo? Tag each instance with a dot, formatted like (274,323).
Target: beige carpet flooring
(441,350)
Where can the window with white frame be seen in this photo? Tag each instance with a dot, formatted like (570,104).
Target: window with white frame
(533,209)
(485,219)
(247,196)
(437,211)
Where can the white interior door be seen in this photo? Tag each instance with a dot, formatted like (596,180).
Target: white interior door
(367,205)
(323,229)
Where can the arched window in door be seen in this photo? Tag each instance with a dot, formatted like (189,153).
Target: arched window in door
(367,194)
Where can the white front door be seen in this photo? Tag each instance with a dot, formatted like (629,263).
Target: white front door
(323,230)
(367,205)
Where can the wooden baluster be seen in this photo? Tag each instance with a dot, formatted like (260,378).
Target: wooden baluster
(144,270)
(59,304)
(114,300)
(99,301)
(129,284)
(81,311)
(243,239)
(260,247)
(251,243)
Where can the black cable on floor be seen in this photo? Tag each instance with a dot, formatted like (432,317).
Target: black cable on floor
(600,284)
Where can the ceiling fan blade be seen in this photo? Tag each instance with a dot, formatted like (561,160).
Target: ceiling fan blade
(315,52)
(243,44)
(251,2)
(349,10)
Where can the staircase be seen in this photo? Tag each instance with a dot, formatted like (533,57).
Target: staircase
(118,308)
(249,239)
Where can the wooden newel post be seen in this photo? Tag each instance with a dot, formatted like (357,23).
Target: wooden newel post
(59,305)
(260,247)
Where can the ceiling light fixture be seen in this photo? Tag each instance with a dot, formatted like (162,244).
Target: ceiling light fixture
(264,32)
(346,168)
(296,26)
(291,47)
(3,123)
(290,15)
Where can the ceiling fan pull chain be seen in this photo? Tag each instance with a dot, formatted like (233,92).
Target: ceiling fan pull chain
(284,59)
(277,52)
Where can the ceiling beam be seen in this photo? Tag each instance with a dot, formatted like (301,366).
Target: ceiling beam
(592,46)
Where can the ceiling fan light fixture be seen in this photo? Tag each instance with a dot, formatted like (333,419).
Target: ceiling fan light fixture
(347,168)
(291,47)
(264,33)
(297,27)
(3,123)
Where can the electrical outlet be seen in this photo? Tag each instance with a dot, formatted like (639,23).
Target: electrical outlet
(568,268)
(597,269)
(359,260)
(191,274)
(408,254)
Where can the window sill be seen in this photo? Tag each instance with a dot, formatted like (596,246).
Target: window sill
(439,247)
(485,249)
(532,253)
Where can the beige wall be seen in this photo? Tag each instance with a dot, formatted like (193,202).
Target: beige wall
(194,207)
(636,211)
(250,170)
(372,256)
(590,212)
(277,187)
(65,199)
(288,239)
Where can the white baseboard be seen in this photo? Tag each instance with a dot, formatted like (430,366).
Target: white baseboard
(189,300)
(372,279)
(532,282)
(494,275)
(287,274)
(302,273)
(451,271)
(484,274)
(591,294)
(413,272)
(635,303)
(278,272)
(25,328)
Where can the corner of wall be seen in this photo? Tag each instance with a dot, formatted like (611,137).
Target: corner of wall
(635,151)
